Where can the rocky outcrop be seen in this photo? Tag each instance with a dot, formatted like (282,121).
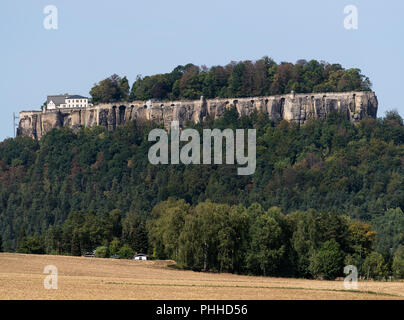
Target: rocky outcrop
(292,107)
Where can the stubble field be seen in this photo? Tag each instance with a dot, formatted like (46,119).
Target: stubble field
(22,277)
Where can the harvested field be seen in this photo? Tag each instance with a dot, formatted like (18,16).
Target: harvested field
(22,277)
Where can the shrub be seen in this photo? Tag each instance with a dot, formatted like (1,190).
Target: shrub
(126,252)
(114,246)
(101,252)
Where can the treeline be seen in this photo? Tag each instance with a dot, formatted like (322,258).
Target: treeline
(263,77)
(224,238)
(65,190)
(109,234)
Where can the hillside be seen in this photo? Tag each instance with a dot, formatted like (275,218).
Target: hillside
(71,192)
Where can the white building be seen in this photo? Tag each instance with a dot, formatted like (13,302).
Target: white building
(67,101)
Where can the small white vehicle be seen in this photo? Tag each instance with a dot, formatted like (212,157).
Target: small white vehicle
(140,256)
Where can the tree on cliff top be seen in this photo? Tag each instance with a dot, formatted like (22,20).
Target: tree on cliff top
(248,78)
(111,89)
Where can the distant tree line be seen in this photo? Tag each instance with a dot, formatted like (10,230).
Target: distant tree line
(224,238)
(326,191)
(255,241)
(263,77)
(109,234)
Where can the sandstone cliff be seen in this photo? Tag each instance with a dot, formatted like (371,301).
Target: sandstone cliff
(292,107)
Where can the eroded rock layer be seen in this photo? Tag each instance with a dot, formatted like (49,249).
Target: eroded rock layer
(292,107)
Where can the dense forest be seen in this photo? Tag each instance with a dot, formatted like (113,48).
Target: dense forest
(263,77)
(324,194)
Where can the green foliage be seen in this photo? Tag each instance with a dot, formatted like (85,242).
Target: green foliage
(398,263)
(354,260)
(126,252)
(114,247)
(374,266)
(390,229)
(91,188)
(219,237)
(327,263)
(361,239)
(102,252)
(166,226)
(124,88)
(134,232)
(31,244)
(311,230)
(212,237)
(268,244)
(111,89)
(75,245)
(241,79)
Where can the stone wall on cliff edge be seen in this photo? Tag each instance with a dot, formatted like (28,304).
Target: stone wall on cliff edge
(292,107)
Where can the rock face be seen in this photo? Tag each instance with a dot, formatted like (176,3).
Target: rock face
(292,107)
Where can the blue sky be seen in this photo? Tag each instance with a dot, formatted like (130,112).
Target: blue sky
(95,39)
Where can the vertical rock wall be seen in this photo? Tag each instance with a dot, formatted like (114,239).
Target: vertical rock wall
(292,107)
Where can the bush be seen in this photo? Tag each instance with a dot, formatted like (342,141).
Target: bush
(101,252)
(126,252)
(374,266)
(398,263)
(327,262)
(114,246)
